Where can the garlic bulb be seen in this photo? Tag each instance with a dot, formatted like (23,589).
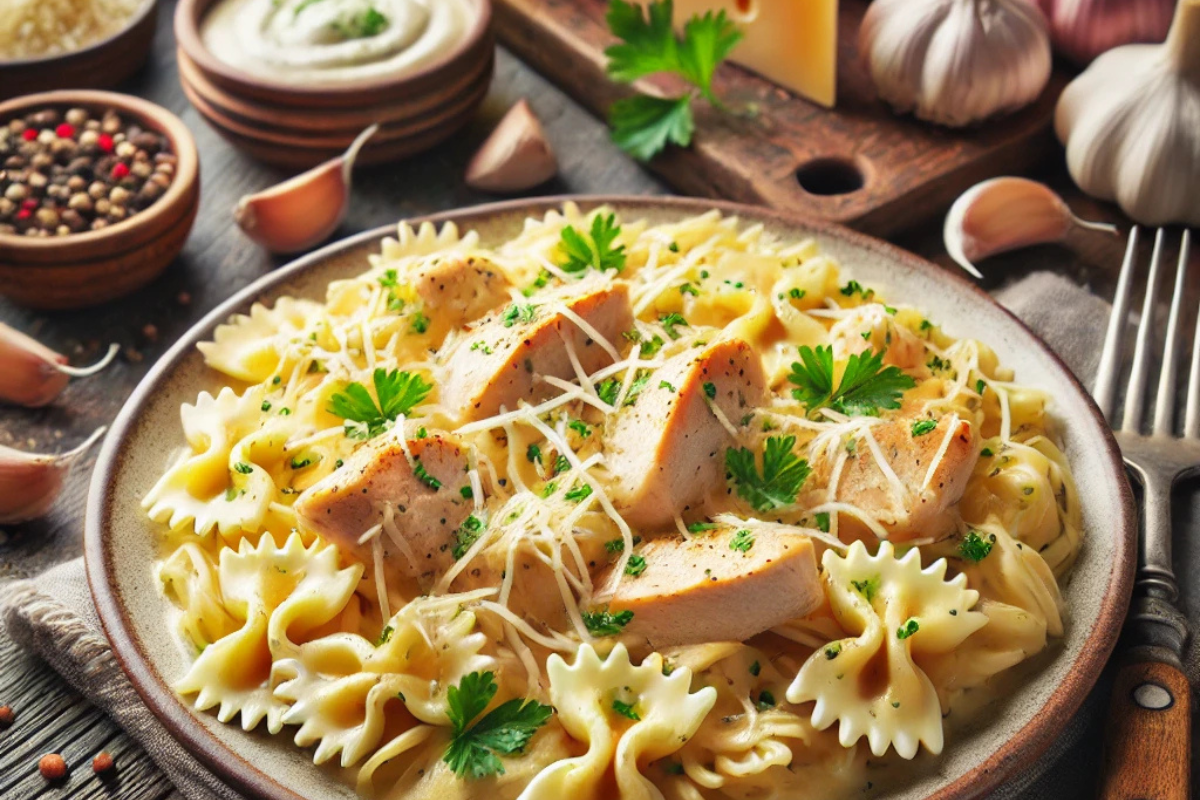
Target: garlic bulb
(955,62)
(1131,125)
(1004,214)
(1083,29)
(32,374)
(30,483)
(305,210)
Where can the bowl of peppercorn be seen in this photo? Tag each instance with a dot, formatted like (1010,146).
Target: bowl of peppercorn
(98,193)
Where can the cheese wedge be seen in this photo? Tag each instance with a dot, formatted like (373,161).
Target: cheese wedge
(790,42)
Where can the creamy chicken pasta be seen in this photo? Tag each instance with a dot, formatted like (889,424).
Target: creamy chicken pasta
(608,510)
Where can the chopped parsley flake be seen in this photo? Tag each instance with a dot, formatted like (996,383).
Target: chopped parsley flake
(580,427)
(481,346)
(533,454)
(635,566)
(579,493)
(755,669)
(466,535)
(742,541)
(385,636)
(670,322)
(907,629)
(765,700)
(603,623)
(710,390)
(702,527)
(424,477)
(519,313)
(855,288)
(688,288)
(868,587)
(243,468)
(833,651)
(626,710)
(668,386)
(923,426)
(822,518)
(419,324)
(975,548)
(650,347)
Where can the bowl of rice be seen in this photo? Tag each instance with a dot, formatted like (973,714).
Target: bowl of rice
(57,44)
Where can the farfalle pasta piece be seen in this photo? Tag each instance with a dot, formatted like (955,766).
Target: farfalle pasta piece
(203,487)
(248,347)
(422,241)
(626,715)
(278,595)
(189,578)
(343,689)
(898,615)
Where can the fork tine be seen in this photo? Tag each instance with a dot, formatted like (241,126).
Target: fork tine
(1135,400)
(1164,401)
(1191,422)
(1110,357)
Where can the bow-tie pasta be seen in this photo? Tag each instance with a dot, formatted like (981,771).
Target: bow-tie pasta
(898,616)
(250,347)
(626,715)
(279,595)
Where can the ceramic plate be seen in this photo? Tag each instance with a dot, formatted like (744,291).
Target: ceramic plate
(121,543)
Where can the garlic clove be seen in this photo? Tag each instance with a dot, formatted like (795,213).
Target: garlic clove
(305,210)
(31,482)
(1005,214)
(1083,29)
(515,157)
(32,374)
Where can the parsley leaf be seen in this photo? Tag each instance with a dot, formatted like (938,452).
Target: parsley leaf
(866,385)
(598,253)
(783,473)
(398,393)
(643,125)
(505,730)
(603,623)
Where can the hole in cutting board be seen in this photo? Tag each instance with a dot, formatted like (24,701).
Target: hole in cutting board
(830,175)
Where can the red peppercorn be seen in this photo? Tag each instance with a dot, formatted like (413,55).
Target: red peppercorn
(24,213)
(119,171)
(30,204)
(65,130)
(29,134)
(105,142)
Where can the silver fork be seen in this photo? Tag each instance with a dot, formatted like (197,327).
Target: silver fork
(1148,739)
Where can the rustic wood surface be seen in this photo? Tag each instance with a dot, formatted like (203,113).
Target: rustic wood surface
(217,261)
(907,170)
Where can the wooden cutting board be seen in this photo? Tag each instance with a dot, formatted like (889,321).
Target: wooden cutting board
(858,164)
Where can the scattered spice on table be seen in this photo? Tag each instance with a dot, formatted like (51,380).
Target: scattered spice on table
(79,170)
(7,717)
(52,766)
(102,763)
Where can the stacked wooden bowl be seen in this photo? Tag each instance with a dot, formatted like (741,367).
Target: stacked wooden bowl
(300,126)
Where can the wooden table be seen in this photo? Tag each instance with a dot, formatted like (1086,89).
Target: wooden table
(217,261)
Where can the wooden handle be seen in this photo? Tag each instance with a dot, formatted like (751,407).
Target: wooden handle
(1148,741)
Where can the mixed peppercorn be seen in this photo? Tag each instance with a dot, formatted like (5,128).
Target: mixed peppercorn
(78,170)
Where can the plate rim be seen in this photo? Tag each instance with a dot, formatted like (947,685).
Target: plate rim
(1023,747)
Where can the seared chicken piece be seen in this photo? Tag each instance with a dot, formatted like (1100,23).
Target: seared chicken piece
(455,290)
(667,449)
(723,585)
(425,496)
(497,360)
(870,327)
(925,511)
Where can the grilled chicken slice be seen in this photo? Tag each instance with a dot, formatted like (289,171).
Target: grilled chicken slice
(666,450)
(425,496)
(496,363)
(871,327)
(455,290)
(928,501)
(723,585)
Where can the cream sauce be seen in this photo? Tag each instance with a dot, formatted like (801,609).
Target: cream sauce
(330,42)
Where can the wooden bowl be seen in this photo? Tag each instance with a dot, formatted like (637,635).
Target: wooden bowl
(103,64)
(86,269)
(299,126)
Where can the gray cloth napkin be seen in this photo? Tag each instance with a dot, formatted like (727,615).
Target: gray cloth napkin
(53,615)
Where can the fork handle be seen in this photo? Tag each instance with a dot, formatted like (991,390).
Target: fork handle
(1148,741)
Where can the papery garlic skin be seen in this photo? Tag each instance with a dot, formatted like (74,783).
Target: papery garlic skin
(955,62)
(31,482)
(1083,29)
(1131,126)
